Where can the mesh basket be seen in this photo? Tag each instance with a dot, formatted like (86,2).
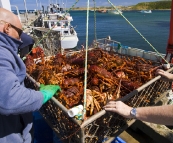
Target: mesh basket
(102,126)
(47,39)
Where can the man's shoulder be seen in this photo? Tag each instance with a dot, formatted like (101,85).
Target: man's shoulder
(4,52)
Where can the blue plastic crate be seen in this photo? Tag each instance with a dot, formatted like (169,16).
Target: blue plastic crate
(118,140)
(42,132)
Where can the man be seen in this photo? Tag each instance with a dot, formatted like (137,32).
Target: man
(16,102)
(155,114)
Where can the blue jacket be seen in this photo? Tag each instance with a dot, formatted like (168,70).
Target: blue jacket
(16,102)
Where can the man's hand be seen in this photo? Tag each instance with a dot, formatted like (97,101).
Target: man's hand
(118,107)
(48,91)
(166,76)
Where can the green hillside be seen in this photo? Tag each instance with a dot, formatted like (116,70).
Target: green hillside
(152,5)
(163,4)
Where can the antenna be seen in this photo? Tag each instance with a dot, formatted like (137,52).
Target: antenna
(26,15)
(40,4)
(37,4)
(65,4)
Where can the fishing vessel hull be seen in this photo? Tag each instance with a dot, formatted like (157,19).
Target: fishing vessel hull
(115,12)
(145,11)
(68,42)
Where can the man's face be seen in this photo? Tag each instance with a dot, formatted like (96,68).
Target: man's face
(11,29)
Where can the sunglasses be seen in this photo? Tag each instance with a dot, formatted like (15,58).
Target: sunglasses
(19,31)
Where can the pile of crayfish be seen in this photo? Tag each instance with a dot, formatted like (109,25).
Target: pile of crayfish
(110,76)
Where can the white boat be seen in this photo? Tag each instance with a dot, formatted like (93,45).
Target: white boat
(115,11)
(21,12)
(58,20)
(145,11)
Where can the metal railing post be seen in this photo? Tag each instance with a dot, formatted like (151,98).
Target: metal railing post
(18,14)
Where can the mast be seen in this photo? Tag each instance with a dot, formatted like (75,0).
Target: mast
(37,4)
(26,14)
(18,14)
(40,4)
(5,4)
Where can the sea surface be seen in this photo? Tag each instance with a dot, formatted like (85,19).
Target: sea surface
(154,27)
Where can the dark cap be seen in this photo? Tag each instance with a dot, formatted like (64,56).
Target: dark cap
(27,40)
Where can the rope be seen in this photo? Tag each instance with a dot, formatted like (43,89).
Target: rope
(95,32)
(45,35)
(86,54)
(138,31)
(70,9)
(59,20)
(30,23)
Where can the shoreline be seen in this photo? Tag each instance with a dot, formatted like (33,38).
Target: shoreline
(121,9)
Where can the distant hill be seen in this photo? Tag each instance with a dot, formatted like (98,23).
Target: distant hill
(164,4)
(152,5)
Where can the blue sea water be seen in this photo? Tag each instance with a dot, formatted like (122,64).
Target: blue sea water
(154,27)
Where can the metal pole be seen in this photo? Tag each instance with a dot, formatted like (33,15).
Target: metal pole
(26,14)
(18,14)
(37,4)
(40,4)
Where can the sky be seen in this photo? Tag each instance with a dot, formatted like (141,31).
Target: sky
(36,4)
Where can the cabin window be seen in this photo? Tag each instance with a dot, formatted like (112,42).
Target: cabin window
(65,32)
(58,24)
(66,23)
(52,23)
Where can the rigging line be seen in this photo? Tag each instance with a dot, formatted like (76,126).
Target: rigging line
(86,54)
(33,20)
(67,12)
(95,32)
(40,5)
(44,35)
(30,23)
(66,4)
(138,31)
(59,20)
